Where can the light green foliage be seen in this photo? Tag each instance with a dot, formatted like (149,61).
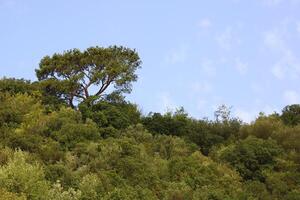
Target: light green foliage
(157,164)
(13,108)
(91,187)
(5,195)
(63,127)
(264,127)
(287,136)
(58,193)
(121,194)
(20,177)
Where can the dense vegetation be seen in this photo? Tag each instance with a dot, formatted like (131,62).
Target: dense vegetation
(60,141)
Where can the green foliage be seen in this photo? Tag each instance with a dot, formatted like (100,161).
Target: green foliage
(204,133)
(15,86)
(291,115)
(20,177)
(58,193)
(103,148)
(5,195)
(13,108)
(251,156)
(256,190)
(110,113)
(287,136)
(167,124)
(71,75)
(264,127)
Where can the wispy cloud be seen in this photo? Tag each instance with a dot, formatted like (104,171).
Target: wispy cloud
(298,27)
(208,68)
(278,2)
(271,2)
(240,66)
(249,115)
(278,71)
(273,39)
(291,97)
(227,39)
(201,87)
(287,65)
(201,105)
(8,3)
(178,55)
(204,23)
(166,103)
(245,115)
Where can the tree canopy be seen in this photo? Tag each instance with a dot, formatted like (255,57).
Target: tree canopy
(291,114)
(80,75)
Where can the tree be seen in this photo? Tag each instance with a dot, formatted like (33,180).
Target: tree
(74,75)
(14,86)
(250,157)
(291,114)
(223,113)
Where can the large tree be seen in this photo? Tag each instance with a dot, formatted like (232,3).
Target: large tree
(80,75)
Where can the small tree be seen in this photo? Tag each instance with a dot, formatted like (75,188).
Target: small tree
(223,113)
(77,76)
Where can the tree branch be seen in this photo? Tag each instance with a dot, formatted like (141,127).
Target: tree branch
(104,86)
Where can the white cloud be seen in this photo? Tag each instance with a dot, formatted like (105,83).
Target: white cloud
(273,39)
(201,105)
(205,23)
(249,115)
(201,87)
(177,55)
(278,2)
(244,115)
(8,3)
(208,68)
(271,2)
(227,39)
(291,97)
(267,109)
(287,65)
(257,87)
(278,71)
(165,102)
(298,27)
(241,67)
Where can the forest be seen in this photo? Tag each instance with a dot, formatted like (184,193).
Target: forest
(72,135)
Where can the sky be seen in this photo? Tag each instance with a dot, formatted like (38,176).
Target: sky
(196,54)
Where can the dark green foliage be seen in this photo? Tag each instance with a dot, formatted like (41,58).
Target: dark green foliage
(251,156)
(111,113)
(204,133)
(15,86)
(167,124)
(291,115)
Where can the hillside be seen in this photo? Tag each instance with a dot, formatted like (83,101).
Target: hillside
(60,142)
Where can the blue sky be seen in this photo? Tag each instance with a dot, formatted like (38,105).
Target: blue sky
(196,54)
